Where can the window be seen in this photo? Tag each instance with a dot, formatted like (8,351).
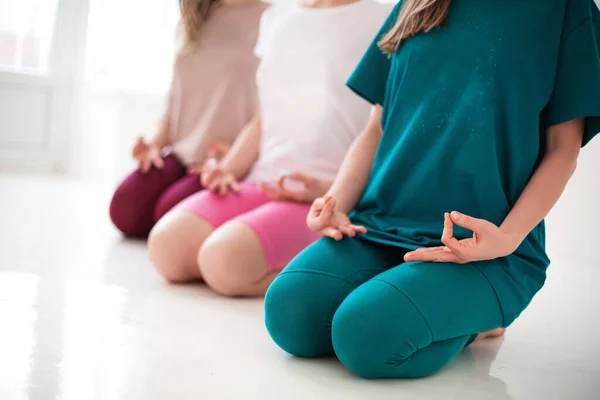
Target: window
(26,29)
(131,44)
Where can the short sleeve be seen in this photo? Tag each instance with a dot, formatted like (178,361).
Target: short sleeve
(264,28)
(577,84)
(369,79)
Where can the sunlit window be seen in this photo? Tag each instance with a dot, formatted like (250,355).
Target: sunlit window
(26,28)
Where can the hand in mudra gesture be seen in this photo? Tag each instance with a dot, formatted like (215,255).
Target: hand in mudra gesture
(488,242)
(307,188)
(326,220)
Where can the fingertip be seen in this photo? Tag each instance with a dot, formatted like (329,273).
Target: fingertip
(455,215)
(350,232)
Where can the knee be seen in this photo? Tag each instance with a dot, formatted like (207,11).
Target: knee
(220,269)
(371,337)
(125,212)
(166,250)
(299,306)
(356,336)
(230,260)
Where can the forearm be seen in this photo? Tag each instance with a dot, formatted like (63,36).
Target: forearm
(548,182)
(353,175)
(162,137)
(244,151)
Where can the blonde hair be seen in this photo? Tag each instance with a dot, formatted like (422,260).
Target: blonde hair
(416,16)
(194,14)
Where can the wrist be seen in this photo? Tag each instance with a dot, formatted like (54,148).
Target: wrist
(340,206)
(324,188)
(516,237)
(226,168)
(155,144)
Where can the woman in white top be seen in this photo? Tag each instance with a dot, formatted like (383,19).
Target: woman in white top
(251,221)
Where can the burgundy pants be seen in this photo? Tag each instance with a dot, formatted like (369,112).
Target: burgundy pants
(142,199)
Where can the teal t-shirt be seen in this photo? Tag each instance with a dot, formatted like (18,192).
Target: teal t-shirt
(466,107)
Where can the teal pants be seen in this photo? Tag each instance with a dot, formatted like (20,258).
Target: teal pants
(383,318)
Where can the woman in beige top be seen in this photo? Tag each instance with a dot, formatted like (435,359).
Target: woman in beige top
(213,95)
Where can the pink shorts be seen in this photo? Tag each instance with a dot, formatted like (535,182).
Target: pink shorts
(280,226)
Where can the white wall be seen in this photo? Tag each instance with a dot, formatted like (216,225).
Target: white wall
(107,126)
(36,106)
(572,232)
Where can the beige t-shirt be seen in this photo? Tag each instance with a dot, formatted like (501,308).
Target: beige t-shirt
(213,93)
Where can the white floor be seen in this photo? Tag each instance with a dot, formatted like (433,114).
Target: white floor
(84,316)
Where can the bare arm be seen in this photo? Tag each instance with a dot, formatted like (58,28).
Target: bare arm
(244,151)
(549,180)
(354,172)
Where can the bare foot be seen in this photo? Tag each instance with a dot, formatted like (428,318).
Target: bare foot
(491,334)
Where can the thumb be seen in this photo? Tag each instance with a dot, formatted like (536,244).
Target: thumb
(327,212)
(317,206)
(465,221)
(313,218)
(146,163)
(158,162)
(297,176)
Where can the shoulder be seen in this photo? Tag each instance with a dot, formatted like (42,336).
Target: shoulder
(274,13)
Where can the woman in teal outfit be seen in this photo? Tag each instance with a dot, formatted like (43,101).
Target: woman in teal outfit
(481,108)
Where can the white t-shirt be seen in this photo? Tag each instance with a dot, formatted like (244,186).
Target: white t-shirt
(309,117)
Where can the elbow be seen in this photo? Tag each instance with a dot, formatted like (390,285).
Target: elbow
(573,156)
(573,168)
(563,160)
(570,161)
